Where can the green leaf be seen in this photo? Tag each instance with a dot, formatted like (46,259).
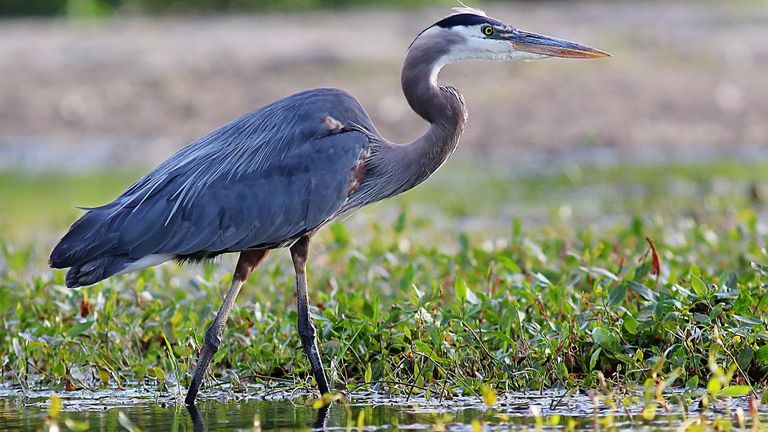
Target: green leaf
(461,290)
(597,272)
(104,377)
(698,286)
(714,387)
(80,328)
(745,357)
(368,373)
(508,264)
(630,323)
(692,383)
(158,373)
(736,390)
(762,355)
(422,347)
(617,295)
(642,290)
(747,320)
(464,294)
(605,339)
(593,358)
(561,371)
(704,319)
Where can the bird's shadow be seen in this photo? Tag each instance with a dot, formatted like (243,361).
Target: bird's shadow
(198,422)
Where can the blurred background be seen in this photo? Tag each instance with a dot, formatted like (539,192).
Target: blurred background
(95,92)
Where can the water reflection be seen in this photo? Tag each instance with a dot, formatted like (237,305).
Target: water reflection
(121,410)
(198,422)
(322,416)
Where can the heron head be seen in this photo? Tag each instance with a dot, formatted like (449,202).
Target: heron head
(471,35)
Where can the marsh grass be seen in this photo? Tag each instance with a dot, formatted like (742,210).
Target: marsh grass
(634,287)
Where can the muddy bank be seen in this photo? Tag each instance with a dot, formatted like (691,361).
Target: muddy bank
(687,80)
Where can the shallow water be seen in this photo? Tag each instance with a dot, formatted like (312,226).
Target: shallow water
(146,411)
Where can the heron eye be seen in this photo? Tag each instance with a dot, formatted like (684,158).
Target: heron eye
(487,30)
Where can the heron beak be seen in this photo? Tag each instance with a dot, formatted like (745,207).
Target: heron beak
(552,47)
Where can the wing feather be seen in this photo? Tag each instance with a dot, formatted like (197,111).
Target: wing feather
(261,180)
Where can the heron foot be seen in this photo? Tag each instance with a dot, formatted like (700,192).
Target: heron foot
(203,362)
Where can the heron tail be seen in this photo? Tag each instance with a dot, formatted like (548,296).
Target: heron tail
(88,250)
(95,270)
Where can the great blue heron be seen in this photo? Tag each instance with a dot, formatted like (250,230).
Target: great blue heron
(274,177)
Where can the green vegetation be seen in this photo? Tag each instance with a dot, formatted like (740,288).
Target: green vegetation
(670,286)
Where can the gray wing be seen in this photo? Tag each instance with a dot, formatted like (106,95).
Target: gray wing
(260,181)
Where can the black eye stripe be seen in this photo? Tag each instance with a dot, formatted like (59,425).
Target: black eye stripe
(466,19)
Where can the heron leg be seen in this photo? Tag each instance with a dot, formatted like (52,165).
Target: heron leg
(307,332)
(245,265)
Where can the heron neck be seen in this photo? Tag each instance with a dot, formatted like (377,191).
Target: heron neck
(438,105)
(396,168)
(443,107)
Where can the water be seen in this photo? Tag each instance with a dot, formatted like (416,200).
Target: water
(286,410)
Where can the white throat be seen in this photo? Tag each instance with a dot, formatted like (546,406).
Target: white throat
(475,47)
